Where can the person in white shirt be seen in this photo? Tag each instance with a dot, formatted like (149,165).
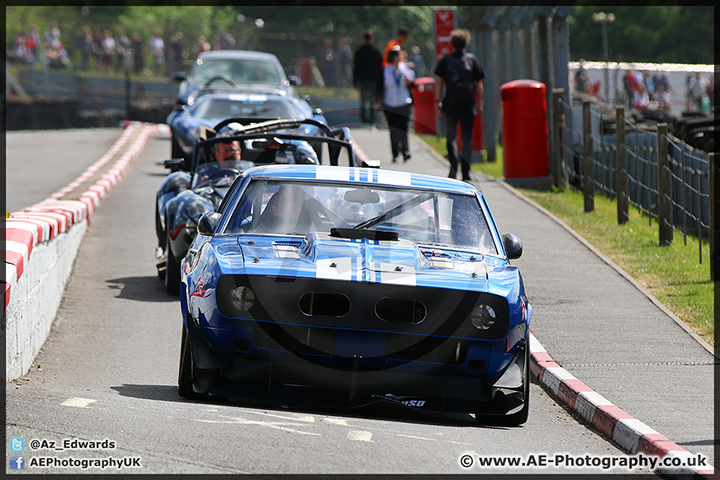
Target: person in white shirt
(397,103)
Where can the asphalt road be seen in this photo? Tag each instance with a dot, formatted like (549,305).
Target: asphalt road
(109,371)
(39,163)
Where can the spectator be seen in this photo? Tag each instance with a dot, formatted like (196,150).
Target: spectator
(416,62)
(460,76)
(22,52)
(124,51)
(107,50)
(202,46)
(698,91)
(32,42)
(648,83)
(177,47)
(581,77)
(138,51)
(344,63)
(51,35)
(641,98)
(664,80)
(224,41)
(157,51)
(402,35)
(327,64)
(663,99)
(367,73)
(56,57)
(88,48)
(711,91)
(397,103)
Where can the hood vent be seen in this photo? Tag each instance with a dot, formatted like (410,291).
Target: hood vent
(405,311)
(327,304)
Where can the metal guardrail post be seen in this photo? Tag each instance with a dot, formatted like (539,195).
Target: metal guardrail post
(664,200)
(714,223)
(588,177)
(620,167)
(559,172)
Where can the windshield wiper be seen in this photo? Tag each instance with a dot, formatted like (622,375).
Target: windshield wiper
(371,222)
(394,212)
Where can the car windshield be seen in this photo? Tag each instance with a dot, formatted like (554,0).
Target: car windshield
(219,174)
(238,70)
(242,105)
(422,216)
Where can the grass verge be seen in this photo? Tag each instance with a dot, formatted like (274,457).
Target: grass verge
(673,274)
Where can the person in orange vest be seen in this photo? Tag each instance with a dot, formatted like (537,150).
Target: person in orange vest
(402,35)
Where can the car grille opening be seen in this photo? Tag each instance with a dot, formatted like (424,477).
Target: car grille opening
(328,304)
(425,349)
(476,366)
(294,338)
(395,310)
(241,345)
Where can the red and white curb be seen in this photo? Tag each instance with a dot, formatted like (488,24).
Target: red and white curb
(44,221)
(623,429)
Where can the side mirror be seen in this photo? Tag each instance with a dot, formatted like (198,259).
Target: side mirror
(207,223)
(513,246)
(174,164)
(178,77)
(294,80)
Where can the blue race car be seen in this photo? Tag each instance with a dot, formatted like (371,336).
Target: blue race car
(219,155)
(234,68)
(212,105)
(319,286)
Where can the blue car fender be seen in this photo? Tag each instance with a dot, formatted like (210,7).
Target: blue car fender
(183,207)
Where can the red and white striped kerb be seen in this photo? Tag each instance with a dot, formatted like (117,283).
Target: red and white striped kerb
(622,428)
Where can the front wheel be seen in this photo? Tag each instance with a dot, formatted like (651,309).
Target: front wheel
(521,416)
(185,381)
(175,150)
(172,270)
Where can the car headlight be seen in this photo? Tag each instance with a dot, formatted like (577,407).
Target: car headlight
(483,316)
(242,298)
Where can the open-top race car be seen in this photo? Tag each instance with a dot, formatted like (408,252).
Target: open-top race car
(198,186)
(319,286)
(211,105)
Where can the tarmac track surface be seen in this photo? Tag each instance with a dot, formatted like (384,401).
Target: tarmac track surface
(109,371)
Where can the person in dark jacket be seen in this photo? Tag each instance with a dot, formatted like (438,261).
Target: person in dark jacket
(458,93)
(367,77)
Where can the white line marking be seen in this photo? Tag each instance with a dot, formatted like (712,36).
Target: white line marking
(336,421)
(78,402)
(413,436)
(360,436)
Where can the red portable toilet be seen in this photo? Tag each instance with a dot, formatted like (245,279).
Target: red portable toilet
(525,134)
(305,71)
(423,94)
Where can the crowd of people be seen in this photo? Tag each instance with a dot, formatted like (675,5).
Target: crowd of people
(108,51)
(644,90)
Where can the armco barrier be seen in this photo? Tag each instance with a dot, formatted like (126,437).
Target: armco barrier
(41,243)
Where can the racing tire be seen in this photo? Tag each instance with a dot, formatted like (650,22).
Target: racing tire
(175,150)
(518,418)
(172,270)
(185,377)
(161,238)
